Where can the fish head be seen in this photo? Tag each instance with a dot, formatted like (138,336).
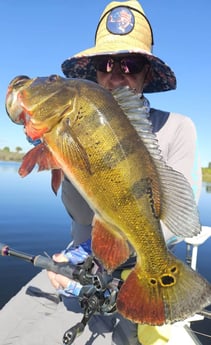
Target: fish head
(38,103)
(13,106)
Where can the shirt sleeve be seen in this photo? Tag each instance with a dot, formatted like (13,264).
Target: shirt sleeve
(179,146)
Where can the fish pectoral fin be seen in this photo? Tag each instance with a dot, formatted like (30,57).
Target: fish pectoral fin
(108,245)
(40,155)
(71,146)
(164,298)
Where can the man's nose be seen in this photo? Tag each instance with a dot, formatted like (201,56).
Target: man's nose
(116,68)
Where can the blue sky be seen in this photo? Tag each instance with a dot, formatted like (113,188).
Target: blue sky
(36,36)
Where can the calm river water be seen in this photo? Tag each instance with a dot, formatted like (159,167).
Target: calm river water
(34,220)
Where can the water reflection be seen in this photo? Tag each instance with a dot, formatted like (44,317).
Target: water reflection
(9,167)
(208,187)
(29,200)
(205,204)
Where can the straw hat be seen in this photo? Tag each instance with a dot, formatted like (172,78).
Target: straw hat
(123,28)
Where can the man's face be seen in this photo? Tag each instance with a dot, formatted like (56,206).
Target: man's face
(117,72)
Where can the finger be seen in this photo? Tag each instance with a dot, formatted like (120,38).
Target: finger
(62,281)
(59,257)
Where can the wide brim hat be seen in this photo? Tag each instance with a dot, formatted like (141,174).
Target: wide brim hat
(123,29)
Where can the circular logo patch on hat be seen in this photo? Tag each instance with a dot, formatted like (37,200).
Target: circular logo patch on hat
(120,21)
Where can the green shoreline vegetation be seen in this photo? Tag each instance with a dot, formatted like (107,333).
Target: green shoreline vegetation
(206,174)
(7,155)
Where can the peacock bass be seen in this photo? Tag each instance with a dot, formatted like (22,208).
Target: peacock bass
(103,143)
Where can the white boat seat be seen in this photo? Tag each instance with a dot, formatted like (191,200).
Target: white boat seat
(196,241)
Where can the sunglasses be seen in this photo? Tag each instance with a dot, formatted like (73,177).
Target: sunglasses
(127,64)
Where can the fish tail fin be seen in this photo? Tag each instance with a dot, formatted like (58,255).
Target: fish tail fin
(169,297)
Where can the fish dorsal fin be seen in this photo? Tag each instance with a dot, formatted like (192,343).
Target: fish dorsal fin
(178,207)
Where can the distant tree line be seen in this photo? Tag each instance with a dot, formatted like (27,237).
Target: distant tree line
(17,149)
(7,155)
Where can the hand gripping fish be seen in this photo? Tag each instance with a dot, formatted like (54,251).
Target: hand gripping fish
(104,144)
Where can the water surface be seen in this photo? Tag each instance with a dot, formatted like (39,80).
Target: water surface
(32,220)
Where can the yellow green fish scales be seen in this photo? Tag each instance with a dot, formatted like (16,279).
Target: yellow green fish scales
(104,144)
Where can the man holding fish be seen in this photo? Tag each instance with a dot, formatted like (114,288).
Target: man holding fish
(99,208)
(124,58)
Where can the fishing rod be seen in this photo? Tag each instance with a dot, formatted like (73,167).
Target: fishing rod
(96,289)
(89,272)
(78,272)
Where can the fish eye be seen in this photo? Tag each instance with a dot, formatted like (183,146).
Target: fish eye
(19,80)
(53,77)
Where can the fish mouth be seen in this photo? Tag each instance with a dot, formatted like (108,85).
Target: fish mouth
(12,104)
(20,107)
(14,101)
